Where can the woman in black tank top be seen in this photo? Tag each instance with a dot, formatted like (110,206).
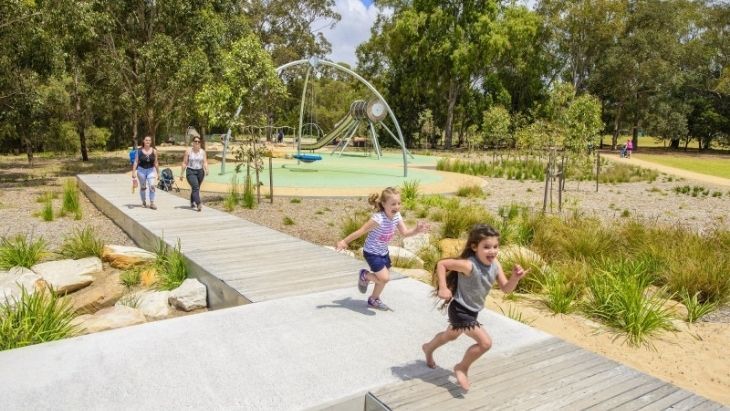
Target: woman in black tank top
(146,168)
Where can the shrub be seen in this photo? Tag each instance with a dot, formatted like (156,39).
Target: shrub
(561,296)
(33,319)
(458,220)
(288,221)
(170,265)
(82,243)
(21,252)
(409,192)
(131,277)
(248,198)
(233,196)
(295,200)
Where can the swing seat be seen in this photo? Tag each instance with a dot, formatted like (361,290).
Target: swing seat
(307,158)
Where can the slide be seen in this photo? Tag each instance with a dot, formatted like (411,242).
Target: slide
(340,127)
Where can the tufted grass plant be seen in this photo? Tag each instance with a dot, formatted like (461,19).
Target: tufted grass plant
(622,303)
(695,308)
(560,295)
(131,276)
(47,210)
(82,243)
(21,251)
(287,220)
(470,191)
(71,202)
(351,223)
(171,267)
(699,266)
(458,221)
(248,197)
(233,196)
(35,318)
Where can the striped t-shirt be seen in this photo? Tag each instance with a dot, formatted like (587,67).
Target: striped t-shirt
(378,239)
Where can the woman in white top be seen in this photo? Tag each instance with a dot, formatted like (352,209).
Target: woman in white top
(194,168)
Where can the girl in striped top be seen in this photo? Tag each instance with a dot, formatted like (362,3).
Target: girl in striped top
(380,229)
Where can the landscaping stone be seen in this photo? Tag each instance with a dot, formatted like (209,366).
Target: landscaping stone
(109,318)
(153,304)
(68,275)
(124,257)
(400,257)
(148,277)
(419,274)
(191,295)
(12,280)
(105,292)
(415,243)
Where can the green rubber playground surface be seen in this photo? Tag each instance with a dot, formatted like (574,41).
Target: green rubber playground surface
(333,171)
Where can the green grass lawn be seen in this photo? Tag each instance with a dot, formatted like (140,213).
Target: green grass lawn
(714,166)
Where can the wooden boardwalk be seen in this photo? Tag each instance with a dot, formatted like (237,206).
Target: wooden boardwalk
(550,375)
(229,254)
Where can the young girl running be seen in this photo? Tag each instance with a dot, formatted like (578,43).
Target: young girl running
(464,288)
(380,228)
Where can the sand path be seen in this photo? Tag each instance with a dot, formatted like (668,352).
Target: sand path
(690,175)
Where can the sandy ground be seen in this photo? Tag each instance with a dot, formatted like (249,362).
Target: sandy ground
(637,161)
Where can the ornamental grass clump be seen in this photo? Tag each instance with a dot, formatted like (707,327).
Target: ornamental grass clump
(82,243)
(620,301)
(71,203)
(21,251)
(351,223)
(35,318)
(458,220)
(560,295)
(170,265)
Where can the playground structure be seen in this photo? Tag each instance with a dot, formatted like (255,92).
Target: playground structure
(372,112)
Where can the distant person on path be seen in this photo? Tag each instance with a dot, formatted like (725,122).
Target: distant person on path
(147,168)
(629,148)
(195,168)
(280,136)
(463,284)
(380,229)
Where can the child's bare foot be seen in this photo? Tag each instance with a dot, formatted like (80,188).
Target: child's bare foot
(461,377)
(429,356)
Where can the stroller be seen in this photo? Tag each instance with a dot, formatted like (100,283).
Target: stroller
(167,181)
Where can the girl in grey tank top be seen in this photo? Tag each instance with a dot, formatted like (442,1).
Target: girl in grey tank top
(463,284)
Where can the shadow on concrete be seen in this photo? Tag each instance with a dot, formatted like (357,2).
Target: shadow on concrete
(131,206)
(439,376)
(358,306)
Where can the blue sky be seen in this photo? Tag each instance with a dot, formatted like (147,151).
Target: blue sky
(358,17)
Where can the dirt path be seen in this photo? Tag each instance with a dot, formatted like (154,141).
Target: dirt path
(690,175)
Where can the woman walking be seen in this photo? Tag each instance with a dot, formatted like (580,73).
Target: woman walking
(195,168)
(147,168)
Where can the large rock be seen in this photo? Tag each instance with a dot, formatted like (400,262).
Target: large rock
(154,304)
(106,291)
(189,296)
(68,275)
(124,257)
(13,280)
(419,274)
(451,247)
(415,243)
(109,318)
(400,257)
(148,277)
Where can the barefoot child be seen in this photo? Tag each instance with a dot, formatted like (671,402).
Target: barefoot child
(380,228)
(464,289)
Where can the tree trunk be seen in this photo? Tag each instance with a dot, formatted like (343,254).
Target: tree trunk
(135,131)
(616,128)
(29,151)
(453,94)
(80,120)
(674,144)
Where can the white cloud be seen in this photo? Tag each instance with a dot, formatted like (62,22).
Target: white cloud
(351,30)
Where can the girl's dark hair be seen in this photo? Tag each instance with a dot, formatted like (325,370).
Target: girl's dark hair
(476,235)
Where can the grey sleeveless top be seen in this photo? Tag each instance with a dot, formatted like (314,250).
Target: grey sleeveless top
(473,289)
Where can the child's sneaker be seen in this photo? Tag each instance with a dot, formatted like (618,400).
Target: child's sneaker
(362,282)
(377,304)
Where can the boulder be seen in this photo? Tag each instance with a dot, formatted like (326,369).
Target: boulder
(13,280)
(154,304)
(148,277)
(400,257)
(415,243)
(451,247)
(68,275)
(109,318)
(106,291)
(123,257)
(189,296)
